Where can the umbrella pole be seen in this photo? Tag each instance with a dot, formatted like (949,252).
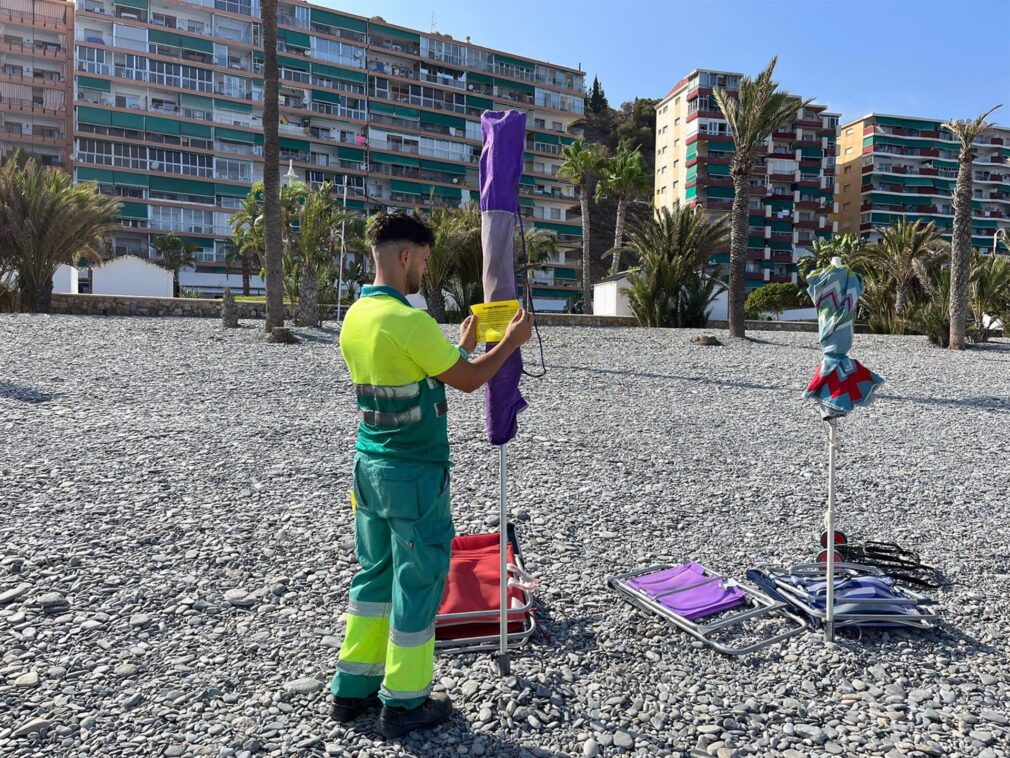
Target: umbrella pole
(503,654)
(829,518)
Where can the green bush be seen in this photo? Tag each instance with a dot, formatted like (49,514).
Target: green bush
(775,298)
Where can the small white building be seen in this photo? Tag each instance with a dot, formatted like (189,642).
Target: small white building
(131,276)
(65,280)
(608,300)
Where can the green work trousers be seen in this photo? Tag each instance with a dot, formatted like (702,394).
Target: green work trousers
(403,530)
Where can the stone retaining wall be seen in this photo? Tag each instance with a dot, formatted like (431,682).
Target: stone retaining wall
(121,305)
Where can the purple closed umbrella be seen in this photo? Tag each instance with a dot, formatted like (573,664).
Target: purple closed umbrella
(501,168)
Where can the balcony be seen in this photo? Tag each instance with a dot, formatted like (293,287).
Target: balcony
(721,205)
(236,148)
(287,19)
(396,45)
(180,24)
(444,81)
(412,149)
(47,49)
(243,37)
(336,31)
(424,102)
(329,109)
(390,69)
(37,18)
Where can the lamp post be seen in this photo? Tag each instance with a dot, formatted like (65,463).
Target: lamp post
(995,239)
(340,270)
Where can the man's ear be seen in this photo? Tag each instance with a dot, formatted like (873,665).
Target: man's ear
(404,254)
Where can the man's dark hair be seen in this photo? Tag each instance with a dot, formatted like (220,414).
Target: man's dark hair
(399,227)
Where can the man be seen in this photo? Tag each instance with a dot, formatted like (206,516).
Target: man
(400,362)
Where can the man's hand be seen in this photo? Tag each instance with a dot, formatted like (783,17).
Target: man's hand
(520,328)
(467,375)
(468,334)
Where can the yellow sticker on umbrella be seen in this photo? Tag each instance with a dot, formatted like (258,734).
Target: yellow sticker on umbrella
(493,319)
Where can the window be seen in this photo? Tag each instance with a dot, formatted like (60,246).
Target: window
(676,121)
(845,206)
(556,214)
(846,169)
(168,74)
(199,79)
(93,61)
(848,132)
(94,151)
(232,170)
(338,52)
(132,102)
(848,150)
(130,156)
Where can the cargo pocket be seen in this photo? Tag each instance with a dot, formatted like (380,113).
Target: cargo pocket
(421,552)
(393,489)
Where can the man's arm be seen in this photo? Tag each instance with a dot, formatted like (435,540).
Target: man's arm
(468,376)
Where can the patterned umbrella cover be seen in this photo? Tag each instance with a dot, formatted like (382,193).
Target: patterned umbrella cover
(840,383)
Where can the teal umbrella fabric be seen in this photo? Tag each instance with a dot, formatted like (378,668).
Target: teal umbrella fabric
(841,384)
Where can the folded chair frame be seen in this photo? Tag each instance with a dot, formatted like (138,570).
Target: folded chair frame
(759,605)
(918,616)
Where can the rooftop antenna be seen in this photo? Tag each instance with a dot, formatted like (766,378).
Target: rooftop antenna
(433,22)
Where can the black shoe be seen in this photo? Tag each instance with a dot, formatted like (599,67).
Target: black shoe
(347,709)
(397,722)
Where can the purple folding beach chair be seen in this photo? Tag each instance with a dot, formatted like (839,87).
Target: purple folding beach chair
(688,593)
(686,590)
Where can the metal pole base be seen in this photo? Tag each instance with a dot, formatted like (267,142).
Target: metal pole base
(829,522)
(503,523)
(504,664)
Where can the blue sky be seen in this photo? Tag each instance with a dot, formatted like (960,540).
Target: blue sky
(857,56)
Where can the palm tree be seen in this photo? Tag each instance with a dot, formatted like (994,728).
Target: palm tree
(989,293)
(174,252)
(450,265)
(466,282)
(47,220)
(758,109)
(582,163)
(247,239)
(624,177)
(848,247)
(272,171)
(318,236)
(960,255)
(355,275)
(540,246)
(673,248)
(901,245)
